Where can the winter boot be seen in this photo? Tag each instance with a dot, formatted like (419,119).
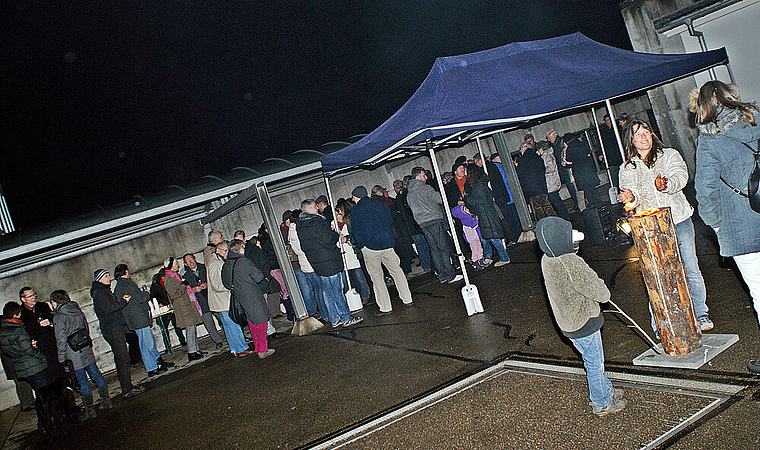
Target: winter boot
(106,400)
(89,408)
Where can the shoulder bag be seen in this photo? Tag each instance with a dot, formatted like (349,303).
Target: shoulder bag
(79,339)
(753,183)
(237,312)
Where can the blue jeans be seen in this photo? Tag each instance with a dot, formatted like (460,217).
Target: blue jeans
(559,205)
(422,250)
(440,248)
(94,373)
(233,332)
(358,282)
(688,249)
(148,348)
(314,283)
(307,291)
(599,386)
(488,253)
(335,302)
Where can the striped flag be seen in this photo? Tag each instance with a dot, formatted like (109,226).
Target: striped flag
(6,223)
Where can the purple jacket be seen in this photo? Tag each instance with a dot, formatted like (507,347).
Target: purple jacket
(466,219)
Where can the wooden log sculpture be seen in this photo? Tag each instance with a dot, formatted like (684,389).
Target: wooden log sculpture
(655,236)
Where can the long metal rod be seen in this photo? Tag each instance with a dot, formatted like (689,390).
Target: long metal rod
(615,128)
(437,171)
(636,325)
(335,227)
(601,144)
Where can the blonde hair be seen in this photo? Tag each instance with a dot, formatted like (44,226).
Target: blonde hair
(713,96)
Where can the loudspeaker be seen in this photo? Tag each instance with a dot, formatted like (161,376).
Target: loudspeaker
(599,224)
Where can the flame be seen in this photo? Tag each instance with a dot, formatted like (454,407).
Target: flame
(647,212)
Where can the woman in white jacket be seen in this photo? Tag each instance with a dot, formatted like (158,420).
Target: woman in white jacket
(653,177)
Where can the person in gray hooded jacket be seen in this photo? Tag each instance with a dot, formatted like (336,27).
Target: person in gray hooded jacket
(575,292)
(68,319)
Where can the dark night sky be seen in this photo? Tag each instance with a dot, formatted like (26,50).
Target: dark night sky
(105,100)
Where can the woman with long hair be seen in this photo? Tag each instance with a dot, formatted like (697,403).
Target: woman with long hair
(728,134)
(479,201)
(653,176)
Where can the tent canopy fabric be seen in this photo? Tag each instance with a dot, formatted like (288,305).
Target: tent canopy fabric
(515,83)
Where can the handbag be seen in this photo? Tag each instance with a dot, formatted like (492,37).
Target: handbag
(79,339)
(236,312)
(753,183)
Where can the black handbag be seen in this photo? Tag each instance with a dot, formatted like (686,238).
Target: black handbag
(753,183)
(79,339)
(237,312)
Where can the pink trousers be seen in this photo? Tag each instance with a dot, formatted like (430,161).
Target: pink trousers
(259,335)
(277,275)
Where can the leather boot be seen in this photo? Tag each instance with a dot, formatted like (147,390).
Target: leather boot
(106,400)
(89,406)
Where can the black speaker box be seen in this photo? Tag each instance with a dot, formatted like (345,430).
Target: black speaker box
(599,224)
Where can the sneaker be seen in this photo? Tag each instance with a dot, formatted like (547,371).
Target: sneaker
(487,261)
(501,263)
(456,278)
(615,406)
(337,324)
(266,354)
(754,366)
(379,313)
(353,321)
(705,324)
(137,390)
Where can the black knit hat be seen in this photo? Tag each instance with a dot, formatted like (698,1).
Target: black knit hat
(359,192)
(100,273)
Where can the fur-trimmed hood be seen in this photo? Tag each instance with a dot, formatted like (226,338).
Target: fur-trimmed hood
(727,120)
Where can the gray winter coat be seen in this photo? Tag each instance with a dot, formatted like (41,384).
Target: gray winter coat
(137,312)
(553,182)
(246,289)
(424,202)
(67,319)
(574,289)
(722,154)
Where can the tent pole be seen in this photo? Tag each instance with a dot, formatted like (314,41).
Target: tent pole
(335,227)
(601,144)
(482,158)
(460,256)
(613,121)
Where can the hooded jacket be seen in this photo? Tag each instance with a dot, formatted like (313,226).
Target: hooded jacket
(68,319)
(574,289)
(424,202)
(721,153)
(16,345)
(320,244)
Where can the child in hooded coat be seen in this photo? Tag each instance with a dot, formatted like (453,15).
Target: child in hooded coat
(575,292)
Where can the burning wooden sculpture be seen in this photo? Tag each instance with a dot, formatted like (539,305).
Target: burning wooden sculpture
(655,236)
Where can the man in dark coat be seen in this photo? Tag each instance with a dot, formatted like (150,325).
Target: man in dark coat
(244,277)
(324,208)
(611,148)
(401,232)
(372,230)
(113,326)
(578,156)
(558,147)
(195,275)
(502,195)
(320,244)
(38,321)
(532,174)
(137,316)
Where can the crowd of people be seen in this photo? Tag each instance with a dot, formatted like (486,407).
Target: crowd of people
(370,240)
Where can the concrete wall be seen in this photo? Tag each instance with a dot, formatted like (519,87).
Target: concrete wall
(145,255)
(670,102)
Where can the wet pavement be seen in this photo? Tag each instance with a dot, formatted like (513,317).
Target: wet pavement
(320,387)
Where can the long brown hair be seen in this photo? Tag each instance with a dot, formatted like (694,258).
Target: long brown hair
(715,95)
(630,149)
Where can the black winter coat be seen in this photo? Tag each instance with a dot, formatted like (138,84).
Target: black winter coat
(16,345)
(136,312)
(45,336)
(108,308)
(257,257)
(583,167)
(532,173)
(320,244)
(245,279)
(479,201)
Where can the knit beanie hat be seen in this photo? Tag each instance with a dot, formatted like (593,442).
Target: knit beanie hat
(359,192)
(100,273)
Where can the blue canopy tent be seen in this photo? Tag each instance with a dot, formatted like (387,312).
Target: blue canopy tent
(512,84)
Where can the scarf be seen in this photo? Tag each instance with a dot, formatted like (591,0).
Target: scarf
(190,292)
(16,320)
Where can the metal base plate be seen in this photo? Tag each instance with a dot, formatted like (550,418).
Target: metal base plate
(712,345)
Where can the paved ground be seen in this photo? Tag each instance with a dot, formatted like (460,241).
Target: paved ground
(318,387)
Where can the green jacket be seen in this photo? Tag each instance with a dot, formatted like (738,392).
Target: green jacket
(16,344)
